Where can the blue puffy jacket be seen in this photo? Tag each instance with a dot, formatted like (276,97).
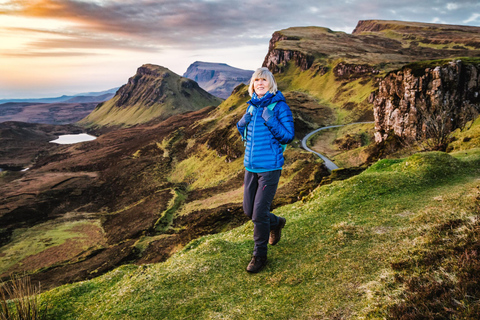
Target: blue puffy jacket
(263,151)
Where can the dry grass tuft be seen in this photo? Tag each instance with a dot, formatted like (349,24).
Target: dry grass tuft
(19,300)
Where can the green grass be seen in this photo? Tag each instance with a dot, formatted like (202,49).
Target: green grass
(467,138)
(205,169)
(333,262)
(48,236)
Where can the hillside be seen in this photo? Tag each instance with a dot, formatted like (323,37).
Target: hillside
(383,72)
(134,195)
(218,79)
(20,142)
(399,240)
(154,92)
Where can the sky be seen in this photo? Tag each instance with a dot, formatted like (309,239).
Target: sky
(53,47)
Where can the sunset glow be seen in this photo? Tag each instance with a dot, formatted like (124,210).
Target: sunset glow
(50,47)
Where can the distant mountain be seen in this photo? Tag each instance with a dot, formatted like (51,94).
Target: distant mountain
(218,79)
(59,110)
(154,92)
(81,97)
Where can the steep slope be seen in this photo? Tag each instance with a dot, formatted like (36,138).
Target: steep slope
(153,93)
(218,79)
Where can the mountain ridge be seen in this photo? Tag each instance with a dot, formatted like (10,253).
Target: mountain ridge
(80,97)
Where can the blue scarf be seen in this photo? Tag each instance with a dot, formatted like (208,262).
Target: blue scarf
(263,101)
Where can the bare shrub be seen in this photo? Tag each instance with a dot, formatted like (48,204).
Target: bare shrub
(437,127)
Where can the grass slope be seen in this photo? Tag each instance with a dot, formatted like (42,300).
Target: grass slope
(334,260)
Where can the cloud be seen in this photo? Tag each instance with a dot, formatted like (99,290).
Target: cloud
(68,39)
(473,18)
(190,24)
(177,22)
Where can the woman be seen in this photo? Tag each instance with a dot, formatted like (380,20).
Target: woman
(267,124)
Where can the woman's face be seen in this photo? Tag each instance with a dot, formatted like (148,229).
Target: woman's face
(261,86)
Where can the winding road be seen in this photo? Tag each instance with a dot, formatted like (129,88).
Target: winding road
(328,163)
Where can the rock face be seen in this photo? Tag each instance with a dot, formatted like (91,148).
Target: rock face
(152,93)
(277,59)
(373,45)
(417,99)
(218,79)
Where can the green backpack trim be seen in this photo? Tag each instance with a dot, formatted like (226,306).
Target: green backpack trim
(250,110)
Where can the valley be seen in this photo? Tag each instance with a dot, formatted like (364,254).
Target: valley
(146,221)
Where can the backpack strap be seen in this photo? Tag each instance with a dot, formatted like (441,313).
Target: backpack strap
(244,137)
(270,107)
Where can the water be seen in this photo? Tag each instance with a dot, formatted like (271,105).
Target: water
(14,169)
(63,139)
(73,138)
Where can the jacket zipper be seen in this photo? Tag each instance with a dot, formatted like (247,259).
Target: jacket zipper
(255,110)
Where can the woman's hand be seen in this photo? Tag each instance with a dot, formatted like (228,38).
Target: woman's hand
(267,114)
(247,117)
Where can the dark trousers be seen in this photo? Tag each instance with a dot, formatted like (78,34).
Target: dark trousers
(259,190)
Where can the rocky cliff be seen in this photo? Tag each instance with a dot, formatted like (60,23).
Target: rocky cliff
(342,70)
(278,58)
(218,79)
(423,101)
(154,92)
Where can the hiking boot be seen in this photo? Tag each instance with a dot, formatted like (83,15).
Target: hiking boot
(257,264)
(276,233)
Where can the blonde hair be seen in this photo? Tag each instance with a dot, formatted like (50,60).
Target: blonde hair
(263,73)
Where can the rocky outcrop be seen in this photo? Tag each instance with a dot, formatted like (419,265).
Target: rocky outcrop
(419,100)
(218,79)
(277,59)
(348,70)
